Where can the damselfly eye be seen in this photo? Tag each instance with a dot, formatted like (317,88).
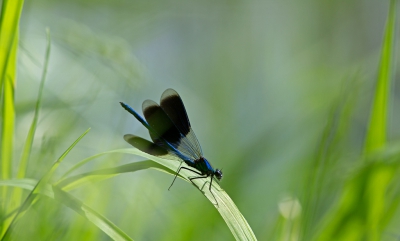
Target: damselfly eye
(218,174)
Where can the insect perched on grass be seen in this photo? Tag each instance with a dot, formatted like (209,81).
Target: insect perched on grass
(170,130)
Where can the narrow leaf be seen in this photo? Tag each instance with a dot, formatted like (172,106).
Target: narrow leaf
(377,129)
(98,175)
(73,203)
(226,207)
(228,210)
(29,140)
(40,186)
(9,20)
(86,160)
(85,211)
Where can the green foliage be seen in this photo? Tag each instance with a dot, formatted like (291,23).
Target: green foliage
(39,187)
(364,204)
(228,210)
(301,159)
(9,22)
(376,134)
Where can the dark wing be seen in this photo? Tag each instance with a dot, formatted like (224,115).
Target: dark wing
(165,131)
(173,106)
(157,127)
(145,145)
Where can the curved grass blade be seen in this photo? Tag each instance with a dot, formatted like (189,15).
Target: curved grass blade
(40,185)
(85,211)
(17,194)
(86,160)
(102,174)
(364,205)
(29,140)
(376,132)
(25,183)
(70,201)
(227,208)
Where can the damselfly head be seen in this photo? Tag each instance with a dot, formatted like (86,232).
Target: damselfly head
(218,174)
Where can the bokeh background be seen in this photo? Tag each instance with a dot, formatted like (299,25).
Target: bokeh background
(262,82)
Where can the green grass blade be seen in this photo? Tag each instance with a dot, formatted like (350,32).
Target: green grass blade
(86,160)
(238,225)
(362,209)
(70,201)
(25,183)
(97,219)
(9,20)
(8,122)
(8,45)
(319,180)
(227,209)
(61,158)
(98,175)
(376,133)
(40,186)
(17,194)
(29,140)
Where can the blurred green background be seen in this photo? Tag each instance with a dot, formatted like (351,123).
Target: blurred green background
(270,87)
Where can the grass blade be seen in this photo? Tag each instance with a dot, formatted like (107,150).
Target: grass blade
(81,179)
(86,160)
(362,209)
(9,20)
(40,186)
(25,183)
(29,140)
(17,194)
(70,201)
(376,133)
(85,211)
(228,210)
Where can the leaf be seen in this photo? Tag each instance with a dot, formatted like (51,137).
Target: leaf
(362,209)
(228,210)
(98,175)
(85,211)
(40,186)
(364,206)
(29,140)
(9,19)
(86,160)
(376,132)
(73,203)
(17,194)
